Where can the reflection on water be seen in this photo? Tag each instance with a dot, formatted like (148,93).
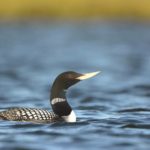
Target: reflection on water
(112,108)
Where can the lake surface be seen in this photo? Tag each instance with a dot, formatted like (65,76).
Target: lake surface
(113,108)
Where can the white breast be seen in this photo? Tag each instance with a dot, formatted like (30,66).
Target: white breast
(70,118)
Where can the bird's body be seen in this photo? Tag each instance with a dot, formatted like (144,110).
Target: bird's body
(29,114)
(62,111)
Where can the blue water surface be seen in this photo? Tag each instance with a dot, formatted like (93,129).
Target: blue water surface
(113,109)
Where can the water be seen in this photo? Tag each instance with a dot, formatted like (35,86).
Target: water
(113,109)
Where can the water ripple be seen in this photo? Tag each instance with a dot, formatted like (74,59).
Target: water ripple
(112,108)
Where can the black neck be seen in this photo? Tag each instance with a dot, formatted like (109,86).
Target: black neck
(57,92)
(60,108)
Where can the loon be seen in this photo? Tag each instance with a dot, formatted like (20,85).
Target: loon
(62,111)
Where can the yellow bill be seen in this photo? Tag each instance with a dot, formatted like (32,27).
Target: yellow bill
(88,75)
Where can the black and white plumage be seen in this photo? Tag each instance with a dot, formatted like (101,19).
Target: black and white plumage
(29,114)
(62,111)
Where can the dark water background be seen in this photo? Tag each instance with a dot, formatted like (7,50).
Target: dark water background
(113,108)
